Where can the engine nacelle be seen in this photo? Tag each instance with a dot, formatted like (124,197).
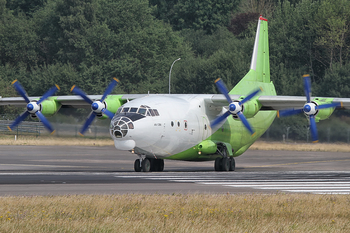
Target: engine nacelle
(50,107)
(325,113)
(251,108)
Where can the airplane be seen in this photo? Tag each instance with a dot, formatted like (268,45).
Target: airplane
(189,127)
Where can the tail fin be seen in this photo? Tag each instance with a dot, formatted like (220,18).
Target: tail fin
(260,58)
(259,73)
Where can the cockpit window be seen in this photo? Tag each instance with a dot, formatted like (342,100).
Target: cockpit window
(152,112)
(133,109)
(143,110)
(156,112)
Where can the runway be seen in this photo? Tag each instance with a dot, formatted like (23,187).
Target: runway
(55,170)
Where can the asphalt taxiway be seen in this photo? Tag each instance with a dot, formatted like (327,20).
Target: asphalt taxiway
(62,170)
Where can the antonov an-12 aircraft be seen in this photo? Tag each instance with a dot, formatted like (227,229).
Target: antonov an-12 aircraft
(190,127)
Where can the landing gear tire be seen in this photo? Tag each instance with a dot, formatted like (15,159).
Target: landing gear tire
(137,166)
(225,164)
(217,165)
(232,164)
(146,165)
(157,165)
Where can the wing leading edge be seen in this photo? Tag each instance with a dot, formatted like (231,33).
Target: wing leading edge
(267,102)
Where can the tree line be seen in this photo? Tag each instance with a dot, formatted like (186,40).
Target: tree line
(43,42)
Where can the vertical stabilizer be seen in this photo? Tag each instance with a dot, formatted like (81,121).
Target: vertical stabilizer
(260,58)
(259,73)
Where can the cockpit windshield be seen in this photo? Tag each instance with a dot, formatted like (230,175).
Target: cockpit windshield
(142,110)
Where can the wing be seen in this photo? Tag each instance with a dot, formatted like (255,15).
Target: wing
(281,102)
(267,102)
(68,101)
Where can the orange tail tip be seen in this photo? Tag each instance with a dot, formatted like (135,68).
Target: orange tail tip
(253,134)
(14,82)
(116,80)
(57,87)
(81,134)
(315,141)
(305,75)
(278,114)
(217,80)
(53,132)
(261,89)
(9,128)
(72,88)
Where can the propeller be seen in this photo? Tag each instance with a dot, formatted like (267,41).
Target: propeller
(33,107)
(310,108)
(235,107)
(98,106)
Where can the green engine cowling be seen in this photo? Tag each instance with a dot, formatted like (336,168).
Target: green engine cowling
(50,107)
(325,113)
(251,108)
(113,102)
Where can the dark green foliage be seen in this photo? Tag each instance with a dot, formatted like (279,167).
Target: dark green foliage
(207,15)
(240,22)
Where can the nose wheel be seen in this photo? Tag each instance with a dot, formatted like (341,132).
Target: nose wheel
(148,165)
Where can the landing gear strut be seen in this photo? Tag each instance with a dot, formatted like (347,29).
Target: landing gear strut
(224,163)
(147,165)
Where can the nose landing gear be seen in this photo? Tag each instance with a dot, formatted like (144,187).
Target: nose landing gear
(147,165)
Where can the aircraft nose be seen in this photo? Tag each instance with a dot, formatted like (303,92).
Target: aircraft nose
(120,127)
(124,144)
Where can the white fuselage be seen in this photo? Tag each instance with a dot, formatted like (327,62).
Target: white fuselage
(160,126)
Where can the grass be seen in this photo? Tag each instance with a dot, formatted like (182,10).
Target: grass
(84,141)
(55,141)
(176,213)
(327,147)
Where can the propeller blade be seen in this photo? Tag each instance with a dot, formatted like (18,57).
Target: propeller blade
(78,91)
(20,90)
(220,119)
(96,106)
(45,122)
(251,95)
(313,129)
(289,112)
(332,105)
(245,122)
(49,93)
(307,87)
(109,89)
(108,113)
(222,88)
(87,123)
(18,120)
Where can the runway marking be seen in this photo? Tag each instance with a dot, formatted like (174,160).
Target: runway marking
(37,165)
(337,185)
(297,163)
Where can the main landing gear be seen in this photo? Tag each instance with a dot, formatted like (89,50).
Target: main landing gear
(224,163)
(147,165)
